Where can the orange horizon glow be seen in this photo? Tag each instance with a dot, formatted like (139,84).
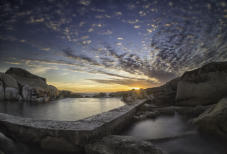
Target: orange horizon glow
(74,87)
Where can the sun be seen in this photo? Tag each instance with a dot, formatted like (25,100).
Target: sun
(136,88)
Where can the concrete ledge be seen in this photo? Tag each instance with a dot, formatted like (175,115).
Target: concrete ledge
(67,135)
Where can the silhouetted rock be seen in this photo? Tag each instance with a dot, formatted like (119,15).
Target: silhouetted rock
(68,94)
(100,95)
(122,145)
(205,85)
(214,119)
(164,95)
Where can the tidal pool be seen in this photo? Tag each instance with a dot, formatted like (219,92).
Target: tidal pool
(69,109)
(172,126)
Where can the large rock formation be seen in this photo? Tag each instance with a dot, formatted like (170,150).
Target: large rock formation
(122,145)
(19,84)
(205,85)
(9,86)
(214,119)
(164,95)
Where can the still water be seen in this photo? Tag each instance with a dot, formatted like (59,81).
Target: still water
(69,109)
(164,127)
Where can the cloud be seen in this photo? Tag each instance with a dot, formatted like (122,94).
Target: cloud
(127,82)
(85,2)
(79,58)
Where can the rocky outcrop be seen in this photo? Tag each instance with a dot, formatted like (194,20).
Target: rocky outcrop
(122,145)
(164,95)
(52,92)
(205,85)
(18,84)
(10,88)
(214,119)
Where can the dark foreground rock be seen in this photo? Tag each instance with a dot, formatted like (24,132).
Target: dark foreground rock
(164,95)
(18,84)
(122,145)
(205,85)
(8,146)
(214,119)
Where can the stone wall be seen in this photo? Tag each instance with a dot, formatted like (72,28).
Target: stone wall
(68,136)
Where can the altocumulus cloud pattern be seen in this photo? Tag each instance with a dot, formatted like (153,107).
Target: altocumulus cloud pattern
(127,41)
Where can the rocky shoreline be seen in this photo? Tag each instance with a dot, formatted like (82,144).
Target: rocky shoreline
(200,95)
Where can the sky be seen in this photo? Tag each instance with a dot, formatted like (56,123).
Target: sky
(111,45)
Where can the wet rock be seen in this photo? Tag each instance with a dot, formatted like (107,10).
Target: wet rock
(122,145)
(213,120)
(146,115)
(205,85)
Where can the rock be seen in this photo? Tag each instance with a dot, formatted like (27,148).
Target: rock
(7,145)
(24,77)
(146,115)
(8,81)
(205,85)
(191,112)
(27,93)
(164,95)
(52,92)
(2,91)
(56,144)
(33,88)
(213,120)
(122,145)
(12,94)
(9,88)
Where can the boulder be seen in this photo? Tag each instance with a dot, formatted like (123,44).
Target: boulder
(122,145)
(213,120)
(205,85)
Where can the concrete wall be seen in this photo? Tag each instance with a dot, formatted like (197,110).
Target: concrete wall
(68,136)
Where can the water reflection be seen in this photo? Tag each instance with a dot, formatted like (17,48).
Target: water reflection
(159,128)
(175,126)
(65,109)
